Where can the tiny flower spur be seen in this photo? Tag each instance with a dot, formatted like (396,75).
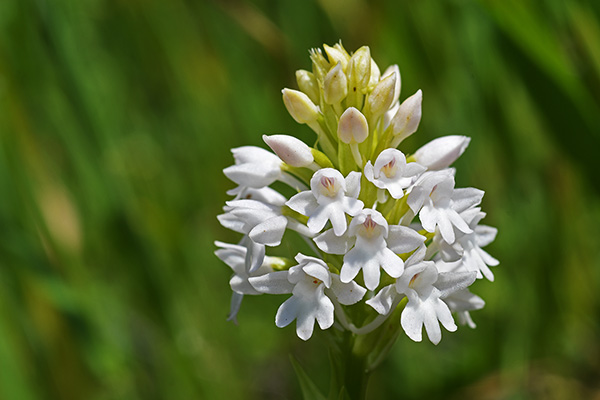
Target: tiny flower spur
(396,244)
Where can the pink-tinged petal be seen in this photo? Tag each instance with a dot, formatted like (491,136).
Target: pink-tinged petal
(382,302)
(272,283)
(269,232)
(402,239)
(391,263)
(332,244)
(353,184)
(287,312)
(412,322)
(441,152)
(346,293)
(291,150)
(303,202)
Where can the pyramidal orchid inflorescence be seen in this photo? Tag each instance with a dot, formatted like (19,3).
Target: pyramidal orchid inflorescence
(391,237)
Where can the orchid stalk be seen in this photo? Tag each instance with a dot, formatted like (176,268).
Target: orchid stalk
(395,245)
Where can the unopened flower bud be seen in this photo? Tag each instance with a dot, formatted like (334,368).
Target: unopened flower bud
(300,107)
(308,84)
(406,121)
(292,151)
(353,126)
(320,63)
(382,96)
(393,69)
(375,74)
(440,153)
(359,70)
(337,55)
(335,86)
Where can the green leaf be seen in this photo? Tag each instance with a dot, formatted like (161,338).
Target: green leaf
(310,391)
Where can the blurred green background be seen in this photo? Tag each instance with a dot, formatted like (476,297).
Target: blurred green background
(116,119)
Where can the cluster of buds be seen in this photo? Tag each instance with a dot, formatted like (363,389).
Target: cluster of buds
(387,230)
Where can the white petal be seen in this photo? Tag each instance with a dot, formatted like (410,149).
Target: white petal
(371,273)
(353,184)
(441,152)
(338,220)
(391,263)
(272,283)
(369,172)
(332,244)
(382,302)
(430,320)
(458,222)
(347,293)
(450,282)
(319,218)
(445,227)
(325,312)
(234,308)
(252,175)
(485,235)
(287,312)
(303,202)
(318,271)
(402,239)
(291,150)
(254,256)
(464,198)
(269,232)
(412,322)
(445,316)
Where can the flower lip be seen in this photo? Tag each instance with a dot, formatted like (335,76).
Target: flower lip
(389,169)
(327,182)
(328,186)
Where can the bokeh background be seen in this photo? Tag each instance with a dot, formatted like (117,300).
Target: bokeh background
(116,119)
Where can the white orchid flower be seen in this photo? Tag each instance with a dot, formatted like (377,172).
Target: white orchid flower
(313,287)
(331,197)
(370,244)
(391,172)
(235,257)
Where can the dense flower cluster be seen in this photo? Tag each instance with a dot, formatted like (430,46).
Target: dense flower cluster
(387,230)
